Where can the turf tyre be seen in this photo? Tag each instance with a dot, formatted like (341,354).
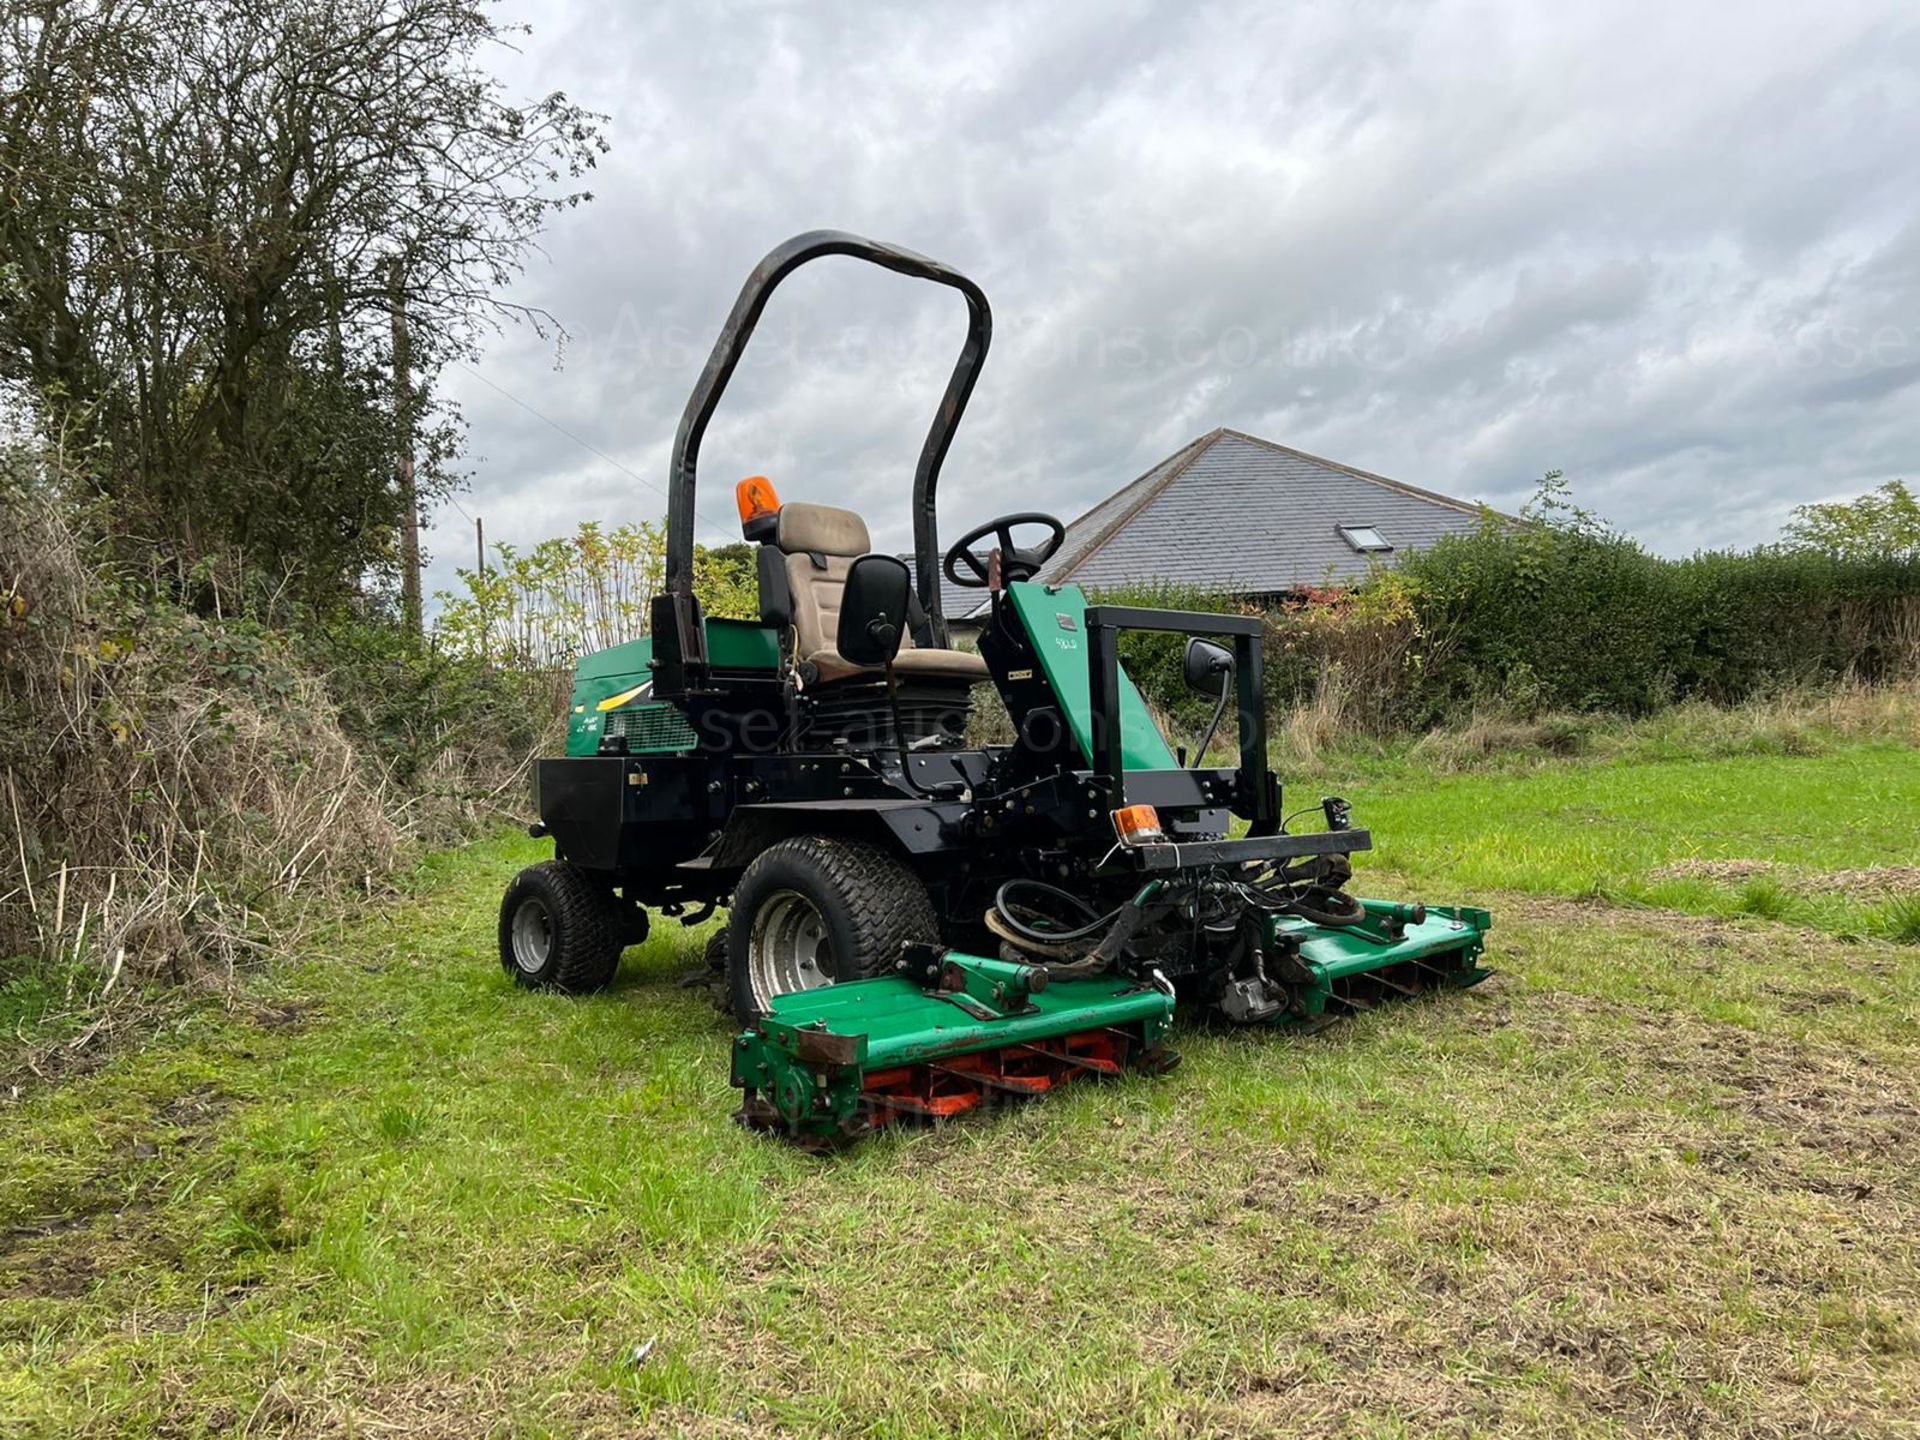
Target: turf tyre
(868,904)
(560,929)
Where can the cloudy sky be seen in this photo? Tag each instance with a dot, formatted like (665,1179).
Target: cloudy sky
(1672,249)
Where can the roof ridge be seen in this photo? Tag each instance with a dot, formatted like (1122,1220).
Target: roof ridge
(1175,465)
(1465,507)
(1146,474)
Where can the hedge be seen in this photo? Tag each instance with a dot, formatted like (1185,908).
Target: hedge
(1540,617)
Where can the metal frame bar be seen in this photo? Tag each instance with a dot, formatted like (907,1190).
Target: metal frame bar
(1256,800)
(731,343)
(1186,854)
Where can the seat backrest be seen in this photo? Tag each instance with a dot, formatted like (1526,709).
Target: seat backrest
(821,542)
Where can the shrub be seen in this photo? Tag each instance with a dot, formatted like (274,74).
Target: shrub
(449,732)
(176,787)
(1539,617)
(166,776)
(1772,618)
(1156,660)
(1556,617)
(570,595)
(1354,655)
(1576,618)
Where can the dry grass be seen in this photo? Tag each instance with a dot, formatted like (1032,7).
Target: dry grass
(181,796)
(1308,731)
(162,783)
(1870,882)
(1313,736)
(1649,1181)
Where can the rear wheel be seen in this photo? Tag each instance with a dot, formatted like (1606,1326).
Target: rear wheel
(813,911)
(560,929)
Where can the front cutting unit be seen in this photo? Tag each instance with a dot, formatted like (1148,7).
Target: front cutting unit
(917,924)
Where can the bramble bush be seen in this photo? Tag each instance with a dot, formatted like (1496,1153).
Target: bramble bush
(175,787)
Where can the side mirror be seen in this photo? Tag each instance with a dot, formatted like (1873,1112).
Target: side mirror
(1209,667)
(873,610)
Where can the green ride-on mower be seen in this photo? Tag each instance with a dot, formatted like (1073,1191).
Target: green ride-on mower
(917,925)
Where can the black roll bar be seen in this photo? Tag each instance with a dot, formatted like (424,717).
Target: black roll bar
(781,262)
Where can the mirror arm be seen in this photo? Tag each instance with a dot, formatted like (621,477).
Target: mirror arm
(1219,709)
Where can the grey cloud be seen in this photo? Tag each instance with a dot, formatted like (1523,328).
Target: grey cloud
(1674,250)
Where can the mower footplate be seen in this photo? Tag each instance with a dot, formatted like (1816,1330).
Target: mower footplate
(829,1065)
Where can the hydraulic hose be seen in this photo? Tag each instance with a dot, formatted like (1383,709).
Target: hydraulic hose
(1074,959)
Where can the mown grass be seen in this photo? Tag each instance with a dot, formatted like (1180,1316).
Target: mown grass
(1617,830)
(1660,1176)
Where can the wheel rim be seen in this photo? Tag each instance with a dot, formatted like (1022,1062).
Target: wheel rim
(788,948)
(532,935)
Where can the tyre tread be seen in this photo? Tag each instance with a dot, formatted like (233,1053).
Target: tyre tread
(582,911)
(888,903)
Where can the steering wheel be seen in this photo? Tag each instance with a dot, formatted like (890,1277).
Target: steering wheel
(970,572)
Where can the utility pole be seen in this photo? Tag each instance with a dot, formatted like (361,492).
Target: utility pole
(403,460)
(480,572)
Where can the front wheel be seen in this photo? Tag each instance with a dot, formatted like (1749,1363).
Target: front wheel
(812,911)
(560,929)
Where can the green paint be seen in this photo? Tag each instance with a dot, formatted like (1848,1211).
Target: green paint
(893,1021)
(731,645)
(1056,621)
(1453,938)
(742,645)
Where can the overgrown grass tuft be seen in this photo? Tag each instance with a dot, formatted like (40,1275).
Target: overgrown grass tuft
(1767,898)
(1900,920)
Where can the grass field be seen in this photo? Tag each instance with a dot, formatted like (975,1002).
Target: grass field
(1661,1175)
(1831,841)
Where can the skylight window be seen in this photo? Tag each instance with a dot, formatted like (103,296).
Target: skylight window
(1365,539)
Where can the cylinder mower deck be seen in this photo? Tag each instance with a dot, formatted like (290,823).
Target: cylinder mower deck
(951,1032)
(954,1032)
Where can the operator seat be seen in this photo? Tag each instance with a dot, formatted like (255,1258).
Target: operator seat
(819,544)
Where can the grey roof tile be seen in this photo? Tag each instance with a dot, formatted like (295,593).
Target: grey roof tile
(1236,513)
(955,602)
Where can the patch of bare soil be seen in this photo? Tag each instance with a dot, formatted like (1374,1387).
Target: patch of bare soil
(1874,882)
(36,1265)
(60,1257)
(110,1219)
(285,1015)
